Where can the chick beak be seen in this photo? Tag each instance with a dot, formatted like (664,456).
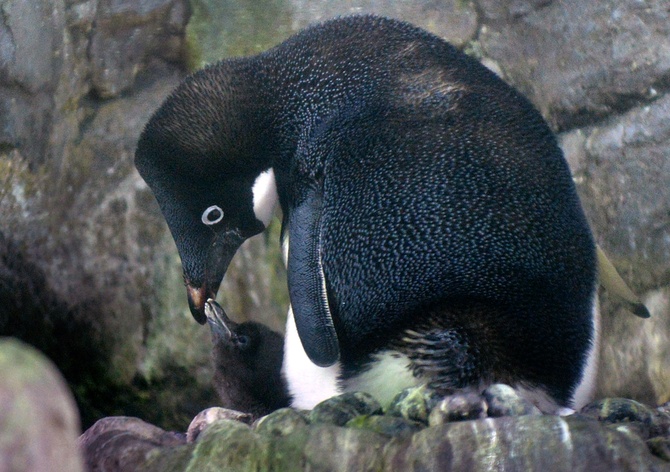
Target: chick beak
(222,327)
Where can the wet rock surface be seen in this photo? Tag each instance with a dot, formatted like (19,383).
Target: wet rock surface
(612,434)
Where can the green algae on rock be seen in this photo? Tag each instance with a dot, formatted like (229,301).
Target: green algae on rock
(391,426)
(342,408)
(413,403)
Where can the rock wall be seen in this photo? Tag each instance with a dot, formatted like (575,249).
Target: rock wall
(88,271)
(86,258)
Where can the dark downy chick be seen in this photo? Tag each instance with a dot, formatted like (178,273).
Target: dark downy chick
(247,363)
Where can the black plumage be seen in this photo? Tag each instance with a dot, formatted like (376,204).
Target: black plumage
(417,189)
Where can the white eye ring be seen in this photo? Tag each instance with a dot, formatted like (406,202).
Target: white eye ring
(212,212)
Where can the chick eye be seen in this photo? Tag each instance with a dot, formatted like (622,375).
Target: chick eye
(243,341)
(212,215)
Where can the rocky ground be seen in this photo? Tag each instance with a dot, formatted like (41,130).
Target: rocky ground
(494,430)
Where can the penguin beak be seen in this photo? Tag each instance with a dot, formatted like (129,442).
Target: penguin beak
(222,327)
(196,301)
(219,255)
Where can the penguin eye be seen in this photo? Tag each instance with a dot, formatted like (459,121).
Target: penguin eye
(212,215)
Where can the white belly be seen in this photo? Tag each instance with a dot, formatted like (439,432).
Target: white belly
(308,384)
(390,372)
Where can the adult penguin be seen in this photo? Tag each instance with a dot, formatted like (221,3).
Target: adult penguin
(432,226)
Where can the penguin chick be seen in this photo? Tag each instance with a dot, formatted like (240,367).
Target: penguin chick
(247,363)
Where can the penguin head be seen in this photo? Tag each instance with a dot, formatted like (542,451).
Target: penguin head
(230,336)
(204,157)
(247,361)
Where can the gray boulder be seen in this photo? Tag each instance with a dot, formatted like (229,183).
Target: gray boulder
(39,422)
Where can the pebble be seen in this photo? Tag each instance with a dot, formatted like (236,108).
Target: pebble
(503,400)
(458,407)
(414,404)
(342,408)
(648,422)
(206,417)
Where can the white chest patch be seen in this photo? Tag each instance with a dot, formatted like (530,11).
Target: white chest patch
(308,383)
(265,196)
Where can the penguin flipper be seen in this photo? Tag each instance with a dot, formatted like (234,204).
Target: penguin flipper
(612,281)
(307,284)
